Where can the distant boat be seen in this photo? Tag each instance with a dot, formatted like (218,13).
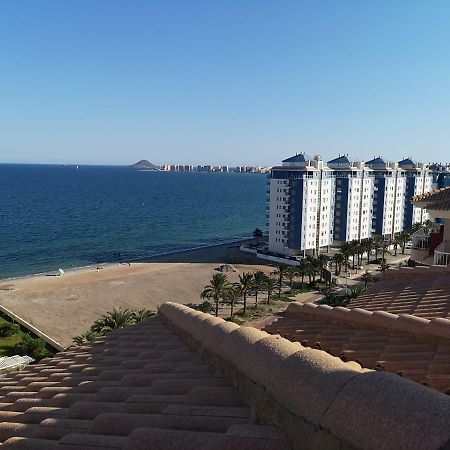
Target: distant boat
(77,167)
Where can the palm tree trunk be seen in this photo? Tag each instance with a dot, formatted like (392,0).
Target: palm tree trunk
(245,301)
(268,297)
(217,306)
(256,297)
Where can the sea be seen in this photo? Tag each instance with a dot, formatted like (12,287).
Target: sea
(65,217)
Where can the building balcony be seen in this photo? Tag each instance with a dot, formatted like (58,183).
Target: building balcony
(442,254)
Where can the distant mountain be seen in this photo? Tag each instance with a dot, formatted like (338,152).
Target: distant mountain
(143,164)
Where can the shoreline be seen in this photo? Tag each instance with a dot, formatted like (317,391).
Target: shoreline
(66,306)
(140,259)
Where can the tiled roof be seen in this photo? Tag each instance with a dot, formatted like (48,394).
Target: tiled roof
(417,349)
(134,387)
(433,197)
(420,291)
(439,206)
(178,382)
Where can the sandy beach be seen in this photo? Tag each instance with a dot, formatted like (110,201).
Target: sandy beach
(65,306)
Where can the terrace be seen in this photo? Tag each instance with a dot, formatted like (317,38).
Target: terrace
(442,254)
(437,203)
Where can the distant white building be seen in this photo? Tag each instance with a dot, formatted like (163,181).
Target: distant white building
(301,205)
(353,201)
(312,205)
(388,198)
(419,180)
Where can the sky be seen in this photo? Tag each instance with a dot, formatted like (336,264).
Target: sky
(223,81)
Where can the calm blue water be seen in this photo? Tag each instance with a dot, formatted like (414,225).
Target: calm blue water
(55,216)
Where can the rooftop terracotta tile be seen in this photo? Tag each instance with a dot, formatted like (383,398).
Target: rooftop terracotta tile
(403,344)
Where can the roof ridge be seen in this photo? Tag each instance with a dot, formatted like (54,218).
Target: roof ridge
(320,389)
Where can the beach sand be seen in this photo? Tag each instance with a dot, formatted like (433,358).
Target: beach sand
(65,306)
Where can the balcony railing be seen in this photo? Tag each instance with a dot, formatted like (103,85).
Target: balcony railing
(420,239)
(442,254)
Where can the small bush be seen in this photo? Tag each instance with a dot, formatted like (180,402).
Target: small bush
(334,300)
(34,347)
(9,329)
(205,307)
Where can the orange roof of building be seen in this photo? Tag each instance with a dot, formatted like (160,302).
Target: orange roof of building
(424,292)
(436,196)
(418,349)
(138,388)
(186,380)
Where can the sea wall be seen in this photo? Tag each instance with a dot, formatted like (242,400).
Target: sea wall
(317,399)
(271,258)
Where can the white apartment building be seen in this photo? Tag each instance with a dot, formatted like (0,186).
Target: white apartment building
(301,205)
(389,197)
(354,199)
(419,180)
(312,205)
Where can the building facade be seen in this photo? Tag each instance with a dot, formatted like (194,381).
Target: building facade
(301,206)
(419,180)
(312,204)
(353,199)
(389,197)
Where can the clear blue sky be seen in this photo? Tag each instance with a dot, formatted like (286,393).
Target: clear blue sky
(223,81)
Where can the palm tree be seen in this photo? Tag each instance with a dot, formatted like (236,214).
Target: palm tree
(322,261)
(280,272)
(141,314)
(312,267)
(361,248)
(428,224)
(396,242)
(216,289)
(368,246)
(338,259)
(353,250)
(403,238)
(346,250)
(259,278)
(113,320)
(291,273)
(246,284)
(257,234)
(302,270)
(85,337)
(270,284)
(231,295)
(377,240)
(417,226)
(355,292)
(366,276)
(384,249)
